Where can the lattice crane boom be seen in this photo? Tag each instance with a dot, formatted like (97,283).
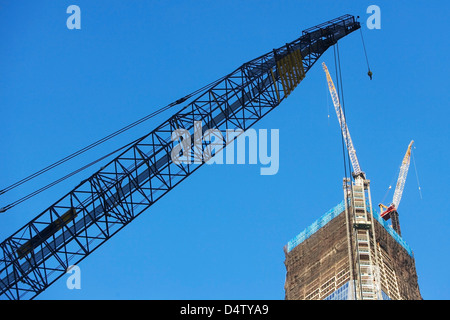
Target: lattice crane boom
(77,224)
(401,180)
(343,124)
(391,211)
(402,177)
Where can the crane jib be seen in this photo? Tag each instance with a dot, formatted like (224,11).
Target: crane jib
(109,202)
(69,230)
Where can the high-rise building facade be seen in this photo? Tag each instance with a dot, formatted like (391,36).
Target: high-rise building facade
(349,253)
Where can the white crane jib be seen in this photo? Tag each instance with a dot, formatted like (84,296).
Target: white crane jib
(402,177)
(343,124)
(391,211)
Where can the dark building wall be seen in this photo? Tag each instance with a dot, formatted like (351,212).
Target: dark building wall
(400,261)
(320,264)
(321,258)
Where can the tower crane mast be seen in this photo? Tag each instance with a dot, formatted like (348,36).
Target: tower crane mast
(357,193)
(76,225)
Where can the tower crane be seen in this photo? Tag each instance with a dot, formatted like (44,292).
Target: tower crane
(357,172)
(391,211)
(74,226)
(367,285)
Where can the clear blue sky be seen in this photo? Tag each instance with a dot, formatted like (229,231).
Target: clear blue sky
(220,234)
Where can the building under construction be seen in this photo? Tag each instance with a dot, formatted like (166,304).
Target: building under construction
(339,258)
(353,252)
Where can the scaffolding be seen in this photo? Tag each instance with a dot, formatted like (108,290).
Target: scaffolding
(331,214)
(315,226)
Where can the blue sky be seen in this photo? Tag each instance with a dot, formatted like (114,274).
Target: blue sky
(220,234)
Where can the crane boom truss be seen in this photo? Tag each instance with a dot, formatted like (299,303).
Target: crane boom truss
(77,224)
(402,177)
(342,123)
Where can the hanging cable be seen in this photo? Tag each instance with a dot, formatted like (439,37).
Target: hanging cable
(369,72)
(81,151)
(34,193)
(417,176)
(340,115)
(108,137)
(340,91)
(346,155)
(390,185)
(387,192)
